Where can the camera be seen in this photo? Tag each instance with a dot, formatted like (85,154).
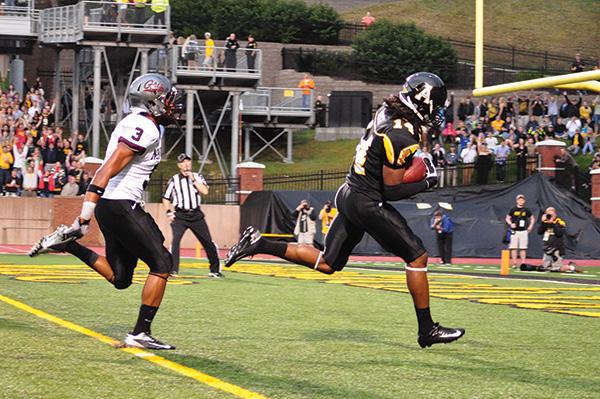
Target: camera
(547,216)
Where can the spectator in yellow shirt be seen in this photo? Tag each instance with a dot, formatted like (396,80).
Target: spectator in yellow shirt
(585,112)
(308,85)
(209,51)
(6,161)
(159,7)
(326,216)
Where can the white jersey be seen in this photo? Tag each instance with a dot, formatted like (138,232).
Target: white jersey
(142,135)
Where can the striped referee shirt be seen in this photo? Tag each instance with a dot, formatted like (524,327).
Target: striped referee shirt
(182,193)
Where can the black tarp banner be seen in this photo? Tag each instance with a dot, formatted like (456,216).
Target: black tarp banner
(478,213)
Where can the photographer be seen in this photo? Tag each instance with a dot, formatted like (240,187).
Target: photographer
(305,223)
(326,217)
(552,230)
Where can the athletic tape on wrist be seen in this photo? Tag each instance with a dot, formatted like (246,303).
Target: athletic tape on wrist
(415,269)
(87,210)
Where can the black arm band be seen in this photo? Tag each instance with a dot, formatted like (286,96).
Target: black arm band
(403,190)
(95,189)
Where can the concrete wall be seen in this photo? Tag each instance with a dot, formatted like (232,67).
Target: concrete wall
(24,220)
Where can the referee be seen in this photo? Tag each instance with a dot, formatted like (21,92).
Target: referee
(183,192)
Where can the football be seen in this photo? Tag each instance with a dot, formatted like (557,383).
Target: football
(415,172)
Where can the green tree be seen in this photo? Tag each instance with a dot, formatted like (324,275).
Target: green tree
(389,52)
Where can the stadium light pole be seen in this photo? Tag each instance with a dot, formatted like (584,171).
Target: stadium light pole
(478,44)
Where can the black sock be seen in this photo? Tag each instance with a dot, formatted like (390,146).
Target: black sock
(145,318)
(86,255)
(269,247)
(424,319)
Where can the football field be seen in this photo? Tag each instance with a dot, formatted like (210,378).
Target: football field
(272,330)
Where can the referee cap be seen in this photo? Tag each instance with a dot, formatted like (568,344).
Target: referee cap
(182,157)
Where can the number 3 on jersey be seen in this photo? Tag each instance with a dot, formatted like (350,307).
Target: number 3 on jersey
(361,154)
(138,134)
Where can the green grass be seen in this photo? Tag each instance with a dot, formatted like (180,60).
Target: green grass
(291,337)
(562,27)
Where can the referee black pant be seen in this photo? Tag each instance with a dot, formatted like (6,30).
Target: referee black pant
(193,220)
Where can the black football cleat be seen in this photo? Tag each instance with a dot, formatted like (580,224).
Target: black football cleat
(146,341)
(440,335)
(245,247)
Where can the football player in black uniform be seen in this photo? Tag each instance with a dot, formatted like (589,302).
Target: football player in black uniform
(384,153)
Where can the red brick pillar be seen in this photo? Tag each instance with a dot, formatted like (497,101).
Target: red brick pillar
(91,165)
(595,192)
(548,150)
(251,178)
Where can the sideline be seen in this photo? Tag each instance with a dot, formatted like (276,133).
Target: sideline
(140,353)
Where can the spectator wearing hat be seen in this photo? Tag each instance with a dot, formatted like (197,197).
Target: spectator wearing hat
(521,221)
(184,192)
(209,51)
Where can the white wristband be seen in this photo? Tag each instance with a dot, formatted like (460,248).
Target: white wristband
(87,210)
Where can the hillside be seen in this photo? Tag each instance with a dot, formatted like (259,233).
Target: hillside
(562,27)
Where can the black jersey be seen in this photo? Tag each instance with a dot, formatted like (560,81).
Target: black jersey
(386,142)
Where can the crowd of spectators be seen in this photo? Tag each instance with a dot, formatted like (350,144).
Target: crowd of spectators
(36,158)
(483,135)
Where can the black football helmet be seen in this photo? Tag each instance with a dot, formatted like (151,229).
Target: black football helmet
(425,94)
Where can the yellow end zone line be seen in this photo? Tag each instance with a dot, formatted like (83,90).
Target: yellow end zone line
(140,353)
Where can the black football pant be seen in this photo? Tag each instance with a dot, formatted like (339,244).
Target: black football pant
(195,221)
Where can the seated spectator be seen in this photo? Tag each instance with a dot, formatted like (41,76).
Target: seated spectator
(30,182)
(532,125)
(84,182)
(589,145)
(576,143)
(71,188)
(13,185)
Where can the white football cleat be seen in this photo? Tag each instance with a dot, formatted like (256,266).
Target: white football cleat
(54,242)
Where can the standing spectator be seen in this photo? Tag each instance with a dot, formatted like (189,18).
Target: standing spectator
(523,105)
(13,185)
(462,110)
(588,145)
(367,20)
(573,126)
(307,85)
(569,167)
(326,216)
(444,229)
(140,11)
(538,108)
(159,7)
(483,163)
(190,51)
(183,193)
(71,188)
(230,53)
(571,108)
(531,154)
(438,155)
(320,112)
(6,162)
(449,111)
(596,115)
(251,53)
(452,160)
(521,221)
(501,153)
(30,182)
(468,156)
(521,156)
(305,223)
(209,52)
(578,64)
(552,111)
(20,152)
(84,182)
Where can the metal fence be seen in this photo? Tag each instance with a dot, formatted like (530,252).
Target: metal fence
(203,60)
(277,100)
(221,190)
(344,64)
(498,56)
(324,180)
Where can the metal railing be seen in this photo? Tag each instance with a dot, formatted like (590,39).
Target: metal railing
(19,14)
(277,100)
(193,59)
(68,23)
(221,190)
(323,180)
